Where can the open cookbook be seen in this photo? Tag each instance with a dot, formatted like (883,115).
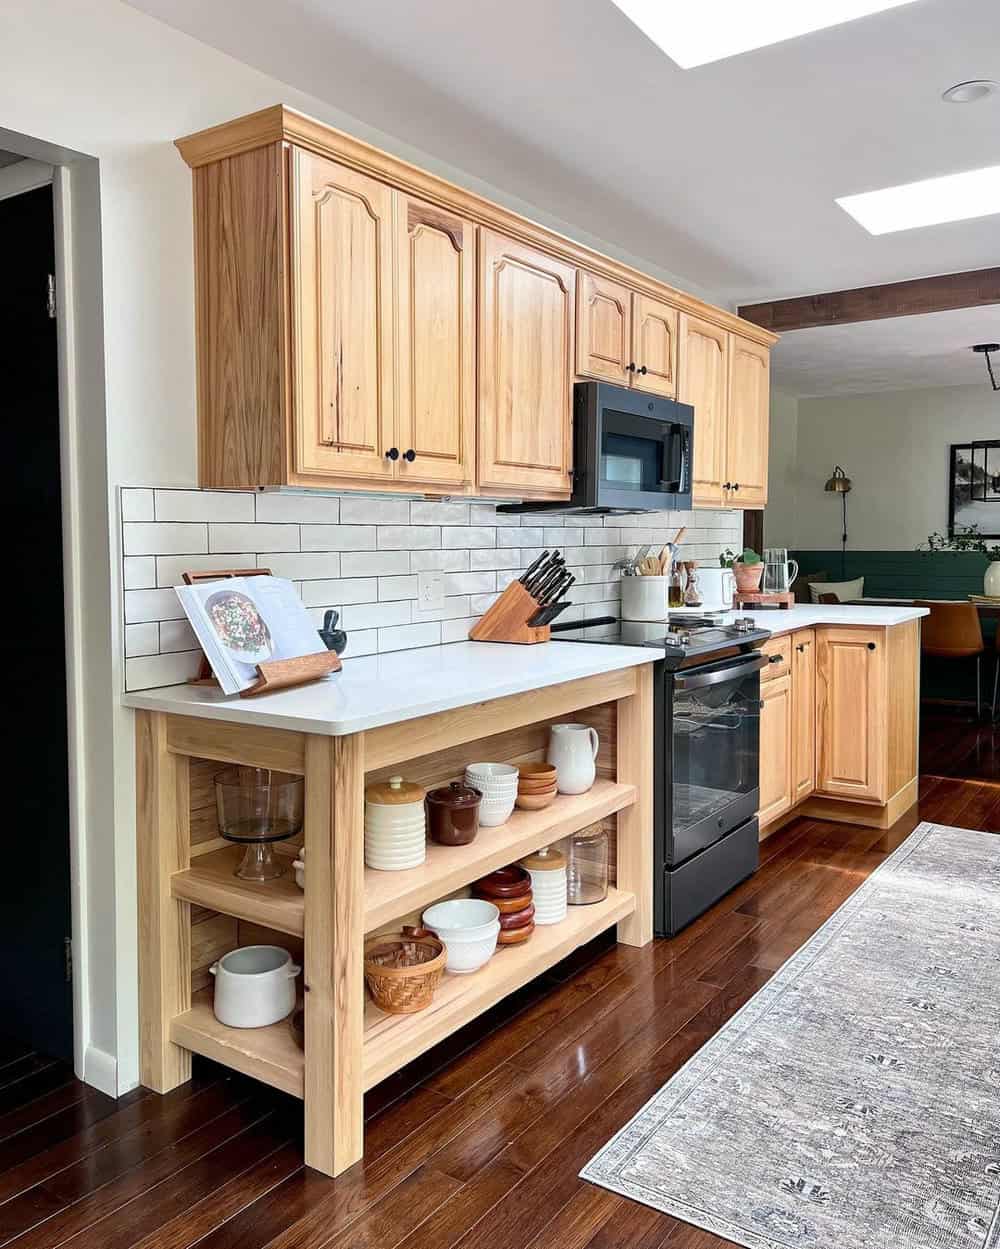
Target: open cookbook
(244,621)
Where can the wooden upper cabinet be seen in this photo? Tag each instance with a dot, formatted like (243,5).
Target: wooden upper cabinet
(654,346)
(748,422)
(436,337)
(526,304)
(703,377)
(342,324)
(803,644)
(603,328)
(851,713)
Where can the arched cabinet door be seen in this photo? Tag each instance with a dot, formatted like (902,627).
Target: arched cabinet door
(526,305)
(603,328)
(654,346)
(749,422)
(703,379)
(342,324)
(436,337)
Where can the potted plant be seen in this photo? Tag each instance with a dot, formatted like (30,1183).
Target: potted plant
(970,541)
(747,569)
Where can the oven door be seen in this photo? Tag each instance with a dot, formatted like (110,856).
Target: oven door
(713,742)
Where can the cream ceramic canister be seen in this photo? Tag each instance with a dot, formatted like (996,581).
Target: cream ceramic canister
(991,582)
(573,750)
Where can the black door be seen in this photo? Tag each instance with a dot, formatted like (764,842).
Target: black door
(35,991)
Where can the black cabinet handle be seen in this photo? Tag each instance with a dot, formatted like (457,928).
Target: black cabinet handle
(727,485)
(801,647)
(409,456)
(392,453)
(871,646)
(776,659)
(643,369)
(736,485)
(630,368)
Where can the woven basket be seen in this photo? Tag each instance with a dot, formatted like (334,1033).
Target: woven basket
(403,969)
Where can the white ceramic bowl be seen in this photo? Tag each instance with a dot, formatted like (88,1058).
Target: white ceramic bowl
(495,812)
(469,928)
(492,772)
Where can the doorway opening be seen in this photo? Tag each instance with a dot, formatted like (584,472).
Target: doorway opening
(36,925)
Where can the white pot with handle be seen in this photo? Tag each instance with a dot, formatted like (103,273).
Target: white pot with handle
(573,749)
(254,986)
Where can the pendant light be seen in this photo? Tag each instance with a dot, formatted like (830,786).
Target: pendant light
(985,349)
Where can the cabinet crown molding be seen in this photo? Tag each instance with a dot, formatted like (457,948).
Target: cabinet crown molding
(281,124)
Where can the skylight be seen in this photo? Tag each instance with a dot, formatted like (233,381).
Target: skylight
(955,197)
(694,32)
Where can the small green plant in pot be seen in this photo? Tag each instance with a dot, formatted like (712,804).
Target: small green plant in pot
(970,541)
(747,569)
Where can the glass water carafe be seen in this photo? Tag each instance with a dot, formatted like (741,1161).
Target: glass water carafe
(779,571)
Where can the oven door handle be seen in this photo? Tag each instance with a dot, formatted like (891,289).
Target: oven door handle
(719,676)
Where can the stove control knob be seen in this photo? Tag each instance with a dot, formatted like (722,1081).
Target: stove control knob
(743,624)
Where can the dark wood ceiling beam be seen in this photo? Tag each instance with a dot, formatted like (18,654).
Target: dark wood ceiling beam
(874,303)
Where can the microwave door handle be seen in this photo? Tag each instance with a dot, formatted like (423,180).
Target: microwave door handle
(670,459)
(719,676)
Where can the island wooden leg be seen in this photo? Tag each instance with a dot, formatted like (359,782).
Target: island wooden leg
(334,945)
(635,823)
(162,822)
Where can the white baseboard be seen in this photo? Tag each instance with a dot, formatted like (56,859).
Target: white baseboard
(100,1069)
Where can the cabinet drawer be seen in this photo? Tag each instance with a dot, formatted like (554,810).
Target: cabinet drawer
(779,656)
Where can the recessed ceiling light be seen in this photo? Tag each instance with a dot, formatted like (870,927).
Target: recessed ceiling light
(970,92)
(956,197)
(694,32)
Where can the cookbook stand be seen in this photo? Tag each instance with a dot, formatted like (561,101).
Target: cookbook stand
(273,674)
(507,620)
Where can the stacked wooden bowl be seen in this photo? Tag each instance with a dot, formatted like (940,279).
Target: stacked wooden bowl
(536,785)
(509,889)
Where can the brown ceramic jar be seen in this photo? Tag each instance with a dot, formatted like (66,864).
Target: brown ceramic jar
(453,814)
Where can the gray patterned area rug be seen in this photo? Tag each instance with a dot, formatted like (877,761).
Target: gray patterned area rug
(854,1102)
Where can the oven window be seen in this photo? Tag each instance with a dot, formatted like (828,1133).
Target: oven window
(640,454)
(716,748)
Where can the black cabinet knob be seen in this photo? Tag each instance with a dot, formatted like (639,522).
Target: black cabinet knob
(736,485)
(392,453)
(727,485)
(643,369)
(409,456)
(776,659)
(631,367)
(871,646)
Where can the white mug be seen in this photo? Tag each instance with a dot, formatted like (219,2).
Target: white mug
(573,749)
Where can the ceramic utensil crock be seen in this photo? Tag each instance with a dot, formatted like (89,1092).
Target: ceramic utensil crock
(573,749)
(644,598)
(254,986)
(394,825)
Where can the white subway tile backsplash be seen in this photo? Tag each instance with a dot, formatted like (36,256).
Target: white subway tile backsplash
(375,615)
(339,592)
(338,537)
(137,504)
(407,637)
(374,563)
(408,537)
(210,505)
(261,537)
(362,511)
(298,509)
(138,572)
(361,555)
(150,538)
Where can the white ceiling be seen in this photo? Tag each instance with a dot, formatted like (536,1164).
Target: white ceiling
(899,353)
(725,174)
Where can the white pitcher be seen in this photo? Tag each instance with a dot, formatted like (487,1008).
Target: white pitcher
(573,749)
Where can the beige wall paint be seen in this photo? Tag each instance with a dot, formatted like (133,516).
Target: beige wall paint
(894,447)
(102,79)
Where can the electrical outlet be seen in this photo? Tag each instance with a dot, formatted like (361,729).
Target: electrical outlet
(430,590)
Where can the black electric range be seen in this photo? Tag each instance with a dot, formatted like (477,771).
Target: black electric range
(706,754)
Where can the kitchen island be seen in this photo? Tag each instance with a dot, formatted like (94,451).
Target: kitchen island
(424,713)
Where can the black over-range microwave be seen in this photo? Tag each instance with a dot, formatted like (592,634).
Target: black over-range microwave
(631,453)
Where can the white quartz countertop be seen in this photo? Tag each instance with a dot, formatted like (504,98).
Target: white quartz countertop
(806,616)
(386,689)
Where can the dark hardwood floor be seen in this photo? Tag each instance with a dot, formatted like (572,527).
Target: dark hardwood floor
(479,1149)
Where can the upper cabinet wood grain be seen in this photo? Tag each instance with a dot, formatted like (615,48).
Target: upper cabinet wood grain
(342,323)
(703,370)
(748,422)
(436,340)
(362,323)
(526,302)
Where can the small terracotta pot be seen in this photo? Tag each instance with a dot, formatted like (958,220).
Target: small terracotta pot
(519,919)
(506,882)
(748,577)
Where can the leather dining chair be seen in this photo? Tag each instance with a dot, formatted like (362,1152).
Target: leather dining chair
(829,598)
(953,631)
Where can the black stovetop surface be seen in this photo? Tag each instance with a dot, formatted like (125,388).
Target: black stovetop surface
(682,640)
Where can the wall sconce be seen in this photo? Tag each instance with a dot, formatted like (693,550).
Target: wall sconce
(840,484)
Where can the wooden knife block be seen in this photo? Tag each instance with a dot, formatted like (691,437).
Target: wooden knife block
(507,620)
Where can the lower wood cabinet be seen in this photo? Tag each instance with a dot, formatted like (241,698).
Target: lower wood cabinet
(526,306)
(851,713)
(803,660)
(776,737)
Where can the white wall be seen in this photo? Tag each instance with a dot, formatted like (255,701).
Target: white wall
(99,78)
(894,447)
(779,515)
